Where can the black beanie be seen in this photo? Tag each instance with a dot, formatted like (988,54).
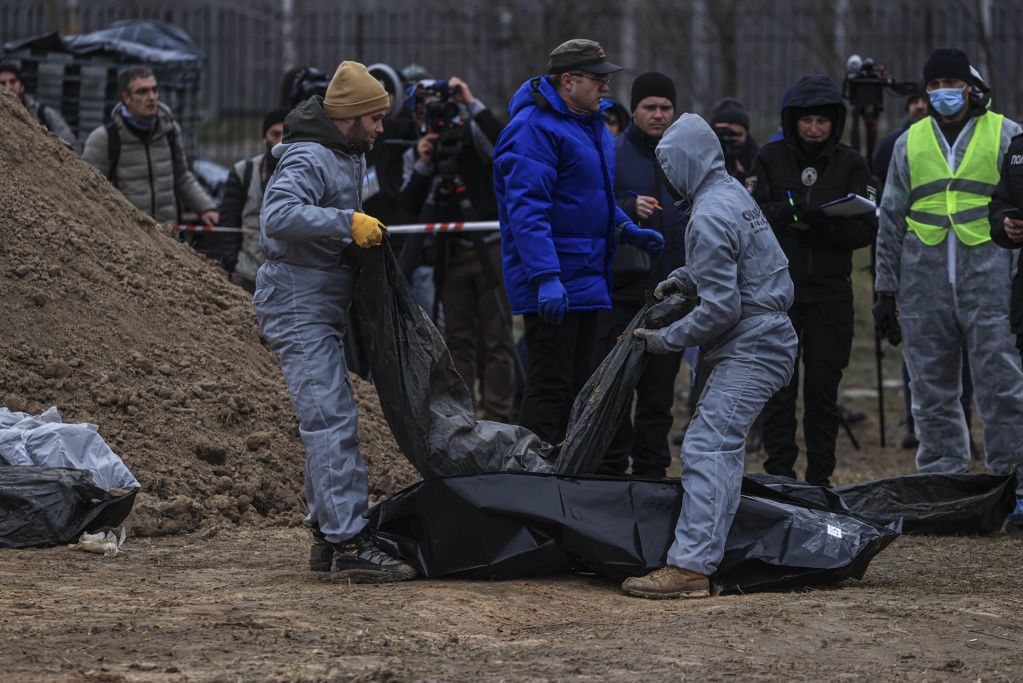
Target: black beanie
(729,110)
(652,84)
(947,62)
(274,117)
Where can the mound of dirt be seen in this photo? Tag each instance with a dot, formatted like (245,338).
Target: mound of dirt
(115,322)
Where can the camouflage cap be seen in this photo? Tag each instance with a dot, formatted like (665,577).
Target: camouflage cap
(580,54)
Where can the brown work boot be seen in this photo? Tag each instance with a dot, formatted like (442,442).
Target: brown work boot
(668,582)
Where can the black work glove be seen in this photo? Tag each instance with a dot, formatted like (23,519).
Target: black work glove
(886,318)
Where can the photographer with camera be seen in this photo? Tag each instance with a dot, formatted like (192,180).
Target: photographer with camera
(790,180)
(941,282)
(448,177)
(730,122)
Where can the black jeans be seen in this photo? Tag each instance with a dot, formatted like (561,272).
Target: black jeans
(559,360)
(825,341)
(644,436)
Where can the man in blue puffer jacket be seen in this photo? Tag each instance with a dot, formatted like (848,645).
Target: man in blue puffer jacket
(554,177)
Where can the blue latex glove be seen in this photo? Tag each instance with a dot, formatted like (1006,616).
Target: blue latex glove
(552,301)
(643,238)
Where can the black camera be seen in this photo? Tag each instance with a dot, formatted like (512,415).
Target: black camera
(306,83)
(865,83)
(439,114)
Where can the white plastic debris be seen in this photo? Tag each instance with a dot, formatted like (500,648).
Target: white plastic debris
(103,543)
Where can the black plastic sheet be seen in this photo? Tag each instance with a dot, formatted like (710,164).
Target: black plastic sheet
(607,395)
(941,504)
(430,410)
(423,398)
(508,525)
(52,506)
(936,503)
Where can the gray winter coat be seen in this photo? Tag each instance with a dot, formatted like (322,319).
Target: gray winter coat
(146,174)
(734,260)
(306,219)
(51,118)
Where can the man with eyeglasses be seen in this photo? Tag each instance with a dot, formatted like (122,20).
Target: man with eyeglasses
(140,152)
(554,176)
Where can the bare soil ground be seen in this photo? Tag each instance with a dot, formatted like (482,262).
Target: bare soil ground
(240,607)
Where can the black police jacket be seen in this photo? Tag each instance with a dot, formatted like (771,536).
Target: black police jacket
(820,256)
(1009,195)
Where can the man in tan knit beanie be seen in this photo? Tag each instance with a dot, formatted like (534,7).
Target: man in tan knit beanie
(357,104)
(311,215)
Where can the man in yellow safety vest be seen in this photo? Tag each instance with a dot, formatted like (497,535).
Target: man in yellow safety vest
(941,278)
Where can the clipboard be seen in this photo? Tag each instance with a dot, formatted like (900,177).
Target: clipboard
(849,205)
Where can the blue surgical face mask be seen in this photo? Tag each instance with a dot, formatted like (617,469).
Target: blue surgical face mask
(948,101)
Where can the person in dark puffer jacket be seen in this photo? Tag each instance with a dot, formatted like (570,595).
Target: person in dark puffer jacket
(151,170)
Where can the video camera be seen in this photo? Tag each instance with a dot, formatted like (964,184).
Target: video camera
(865,82)
(306,83)
(440,114)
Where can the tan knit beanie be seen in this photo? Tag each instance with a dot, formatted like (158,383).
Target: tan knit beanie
(353,92)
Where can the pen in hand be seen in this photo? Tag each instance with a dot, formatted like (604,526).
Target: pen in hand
(657,204)
(792,203)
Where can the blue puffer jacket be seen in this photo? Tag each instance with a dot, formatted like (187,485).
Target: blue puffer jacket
(554,177)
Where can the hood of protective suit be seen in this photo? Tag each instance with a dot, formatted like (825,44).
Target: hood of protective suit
(690,156)
(309,122)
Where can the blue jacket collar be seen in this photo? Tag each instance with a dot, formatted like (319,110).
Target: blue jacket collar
(539,92)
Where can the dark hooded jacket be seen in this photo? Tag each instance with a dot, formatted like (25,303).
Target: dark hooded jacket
(819,248)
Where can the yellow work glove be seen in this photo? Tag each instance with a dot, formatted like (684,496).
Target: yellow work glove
(366,230)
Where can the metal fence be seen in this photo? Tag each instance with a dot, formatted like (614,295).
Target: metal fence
(712,48)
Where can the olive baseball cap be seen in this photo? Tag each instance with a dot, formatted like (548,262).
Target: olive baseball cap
(580,54)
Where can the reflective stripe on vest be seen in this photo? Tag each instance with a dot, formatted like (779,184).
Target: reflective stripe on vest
(940,199)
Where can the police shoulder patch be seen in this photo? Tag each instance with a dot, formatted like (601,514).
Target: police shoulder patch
(809,176)
(751,184)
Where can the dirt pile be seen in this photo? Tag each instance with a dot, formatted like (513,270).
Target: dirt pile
(115,322)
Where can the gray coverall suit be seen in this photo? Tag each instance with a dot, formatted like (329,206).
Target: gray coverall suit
(740,275)
(950,296)
(302,292)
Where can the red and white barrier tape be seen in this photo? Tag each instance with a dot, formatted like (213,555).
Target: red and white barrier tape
(410,229)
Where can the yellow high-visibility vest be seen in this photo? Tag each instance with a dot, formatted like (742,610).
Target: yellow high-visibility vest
(940,199)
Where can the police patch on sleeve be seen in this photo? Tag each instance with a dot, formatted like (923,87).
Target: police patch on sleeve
(751,184)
